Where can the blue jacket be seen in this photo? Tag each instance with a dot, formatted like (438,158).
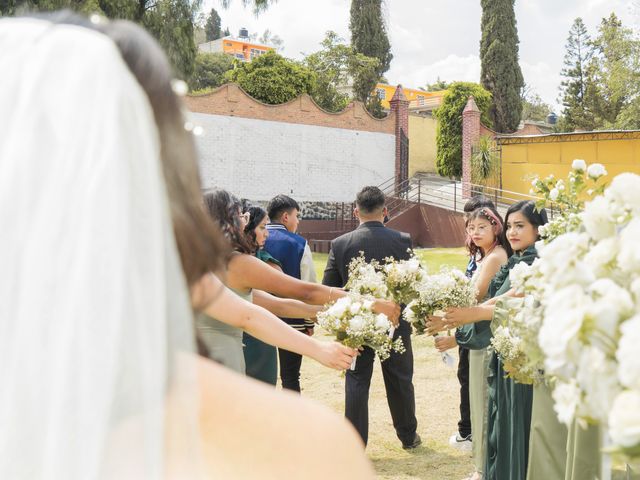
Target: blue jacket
(286,247)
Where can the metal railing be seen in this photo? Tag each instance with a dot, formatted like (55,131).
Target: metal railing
(448,194)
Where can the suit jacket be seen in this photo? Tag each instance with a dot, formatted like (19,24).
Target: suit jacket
(374,239)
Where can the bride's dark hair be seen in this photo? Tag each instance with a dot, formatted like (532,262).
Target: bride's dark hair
(201,246)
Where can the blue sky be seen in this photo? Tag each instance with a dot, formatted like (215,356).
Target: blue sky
(437,38)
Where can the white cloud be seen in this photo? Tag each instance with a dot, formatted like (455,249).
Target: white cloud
(450,68)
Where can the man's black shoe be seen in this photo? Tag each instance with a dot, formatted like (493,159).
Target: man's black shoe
(417,441)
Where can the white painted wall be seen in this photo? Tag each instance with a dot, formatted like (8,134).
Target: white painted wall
(259,159)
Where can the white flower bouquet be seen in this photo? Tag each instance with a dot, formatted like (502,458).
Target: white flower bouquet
(354,324)
(366,279)
(403,279)
(587,283)
(566,197)
(515,338)
(449,288)
(517,322)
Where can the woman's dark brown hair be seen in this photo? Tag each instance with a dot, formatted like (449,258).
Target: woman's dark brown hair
(225,210)
(256,215)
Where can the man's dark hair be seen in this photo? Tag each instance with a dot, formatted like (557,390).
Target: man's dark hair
(280,204)
(370,199)
(478,201)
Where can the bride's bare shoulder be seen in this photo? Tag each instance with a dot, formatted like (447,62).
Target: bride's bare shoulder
(253,430)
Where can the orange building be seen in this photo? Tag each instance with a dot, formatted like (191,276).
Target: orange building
(417,98)
(241,47)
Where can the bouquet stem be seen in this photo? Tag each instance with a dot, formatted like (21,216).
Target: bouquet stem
(353,363)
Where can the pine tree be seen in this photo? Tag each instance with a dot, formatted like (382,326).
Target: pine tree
(573,89)
(213,28)
(500,71)
(369,37)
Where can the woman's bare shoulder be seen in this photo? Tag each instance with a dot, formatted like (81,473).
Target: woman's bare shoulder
(249,427)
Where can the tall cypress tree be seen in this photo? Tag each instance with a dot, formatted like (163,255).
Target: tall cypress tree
(369,37)
(501,74)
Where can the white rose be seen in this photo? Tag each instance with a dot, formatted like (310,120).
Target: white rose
(413,265)
(627,354)
(560,185)
(566,397)
(340,307)
(596,377)
(355,308)
(367,304)
(564,314)
(602,255)
(579,165)
(597,218)
(635,291)
(534,182)
(612,303)
(553,194)
(382,322)
(624,419)
(596,170)
(629,256)
(357,323)
(625,190)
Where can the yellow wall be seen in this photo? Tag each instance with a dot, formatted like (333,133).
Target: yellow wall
(521,161)
(422,144)
(411,94)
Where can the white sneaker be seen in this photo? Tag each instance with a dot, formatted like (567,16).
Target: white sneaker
(464,444)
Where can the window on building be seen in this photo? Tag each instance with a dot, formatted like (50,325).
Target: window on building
(228,44)
(382,93)
(421,100)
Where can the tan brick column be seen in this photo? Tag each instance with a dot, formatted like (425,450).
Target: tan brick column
(470,137)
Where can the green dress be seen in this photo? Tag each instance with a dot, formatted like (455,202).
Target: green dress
(223,341)
(583,453)
(261,359)
(548,440)
(509,403)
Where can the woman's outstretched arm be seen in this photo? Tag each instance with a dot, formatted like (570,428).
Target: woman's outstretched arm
(229,308)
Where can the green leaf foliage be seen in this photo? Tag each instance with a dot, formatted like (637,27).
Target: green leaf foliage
(210,70)
(449,130)
(500,71)
(272,78)
(335,65)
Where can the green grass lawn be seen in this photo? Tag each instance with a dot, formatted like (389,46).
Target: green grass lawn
(432,258)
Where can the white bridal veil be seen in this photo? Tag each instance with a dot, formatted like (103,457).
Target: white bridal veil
(95,324)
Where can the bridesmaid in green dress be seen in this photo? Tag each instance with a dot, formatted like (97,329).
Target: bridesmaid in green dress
(486,242)
(261,358)
(509,403)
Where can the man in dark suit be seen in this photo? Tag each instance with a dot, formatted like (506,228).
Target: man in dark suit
(377,242)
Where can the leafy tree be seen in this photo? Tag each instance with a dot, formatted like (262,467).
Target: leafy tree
(533,107)
(369,38)
(449,129)
(213,27)
(500,70)
(335,66)
(613,72)
(210,70)
(272,78)
(171,22)
(436,86)
(573,89)
(226,32)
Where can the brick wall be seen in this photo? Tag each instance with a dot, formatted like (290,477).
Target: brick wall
(231,100)
(257,151)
